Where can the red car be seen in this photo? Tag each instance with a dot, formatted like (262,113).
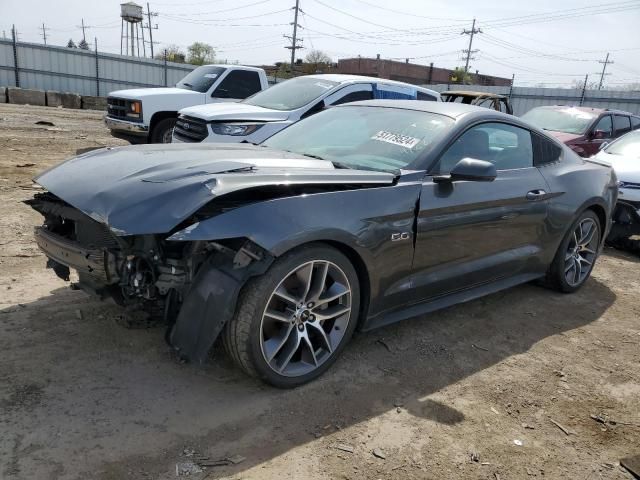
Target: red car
(583,129)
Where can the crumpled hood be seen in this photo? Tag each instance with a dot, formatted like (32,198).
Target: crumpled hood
(564,137)
(150,189)
(142,93)
(234,111)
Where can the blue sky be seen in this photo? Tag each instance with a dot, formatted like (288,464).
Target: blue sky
(550,42)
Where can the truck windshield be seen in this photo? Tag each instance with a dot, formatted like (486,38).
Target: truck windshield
(201,79)
(366,138)
(567,120)
(291,94)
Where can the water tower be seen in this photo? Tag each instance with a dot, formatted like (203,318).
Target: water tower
(131,30)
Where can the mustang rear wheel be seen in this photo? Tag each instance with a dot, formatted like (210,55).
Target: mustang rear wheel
(292,322)
(577,254)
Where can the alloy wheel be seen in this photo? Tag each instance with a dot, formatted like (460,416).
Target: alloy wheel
(581,252)
(167,135)
(306,318)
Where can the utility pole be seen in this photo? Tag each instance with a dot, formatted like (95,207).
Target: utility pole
(584,89)
(468,51)
(44,33)
(294,39)
(150,27)
(83,32)
(604,68)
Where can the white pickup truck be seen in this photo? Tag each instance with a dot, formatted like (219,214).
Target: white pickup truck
(147,115)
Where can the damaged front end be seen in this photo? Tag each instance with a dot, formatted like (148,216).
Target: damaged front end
(165,279)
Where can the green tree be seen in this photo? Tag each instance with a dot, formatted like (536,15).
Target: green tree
(174,54)
(201,53)
(460,77)
(71,44)
(83,44)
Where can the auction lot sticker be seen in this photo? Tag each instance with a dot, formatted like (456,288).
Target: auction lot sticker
(396,139)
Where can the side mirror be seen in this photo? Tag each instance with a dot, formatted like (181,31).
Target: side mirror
(470,169)
(599,134)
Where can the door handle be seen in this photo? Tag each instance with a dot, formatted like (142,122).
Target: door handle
(536,195)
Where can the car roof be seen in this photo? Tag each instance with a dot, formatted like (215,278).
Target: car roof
(347,78)
(469,93)
(241,67)
(593,110)
(453,110)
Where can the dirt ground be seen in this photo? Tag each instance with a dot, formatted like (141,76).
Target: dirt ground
(500,388)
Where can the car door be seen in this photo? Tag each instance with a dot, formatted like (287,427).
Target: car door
(236,85)
(621,124)
(600,133)
(470,232)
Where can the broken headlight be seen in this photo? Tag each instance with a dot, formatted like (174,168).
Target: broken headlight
(235,129)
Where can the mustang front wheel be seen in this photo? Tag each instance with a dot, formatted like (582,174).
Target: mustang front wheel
(292,322)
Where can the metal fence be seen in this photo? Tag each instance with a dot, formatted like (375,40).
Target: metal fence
(524,99)
(87,72)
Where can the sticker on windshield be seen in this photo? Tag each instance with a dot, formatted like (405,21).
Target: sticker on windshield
(211,75)
(396,139)
(324,85)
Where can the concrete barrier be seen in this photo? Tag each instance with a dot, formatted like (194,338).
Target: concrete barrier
(24,96)
(3,94)
(63,99)
(93,103)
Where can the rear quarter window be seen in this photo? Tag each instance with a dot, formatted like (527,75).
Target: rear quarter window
(544,150)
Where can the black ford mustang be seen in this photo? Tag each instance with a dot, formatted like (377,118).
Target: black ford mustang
(359,216)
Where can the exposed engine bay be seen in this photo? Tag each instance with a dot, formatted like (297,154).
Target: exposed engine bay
(140,271)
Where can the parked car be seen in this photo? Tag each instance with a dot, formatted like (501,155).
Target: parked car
(147,115)
(357,217)
(257,118)
(583,129)
(623,155)
(481,99)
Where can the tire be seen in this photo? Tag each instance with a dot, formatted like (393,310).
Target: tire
(252,336)
(163,130)
(563,274)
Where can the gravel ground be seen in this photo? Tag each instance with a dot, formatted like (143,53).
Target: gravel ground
(500,388)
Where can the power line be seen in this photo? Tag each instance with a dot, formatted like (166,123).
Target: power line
(604,69)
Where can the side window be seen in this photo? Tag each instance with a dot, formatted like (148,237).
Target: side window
(622,124)
(425,97)
(354,97)
(238,84)
(506,146)
(544,150)
(635,123)
(605,125)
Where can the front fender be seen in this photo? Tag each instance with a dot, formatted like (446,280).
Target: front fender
(357,218)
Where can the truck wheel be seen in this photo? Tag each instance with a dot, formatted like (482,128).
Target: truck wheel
(292,322)
(163,131)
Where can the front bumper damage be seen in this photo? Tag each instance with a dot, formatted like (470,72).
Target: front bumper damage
(191,286)
(626,222)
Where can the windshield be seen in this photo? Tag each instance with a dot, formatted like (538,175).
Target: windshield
(292,94)
(366,138)
(628,145)
(567,120)
(201,79)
